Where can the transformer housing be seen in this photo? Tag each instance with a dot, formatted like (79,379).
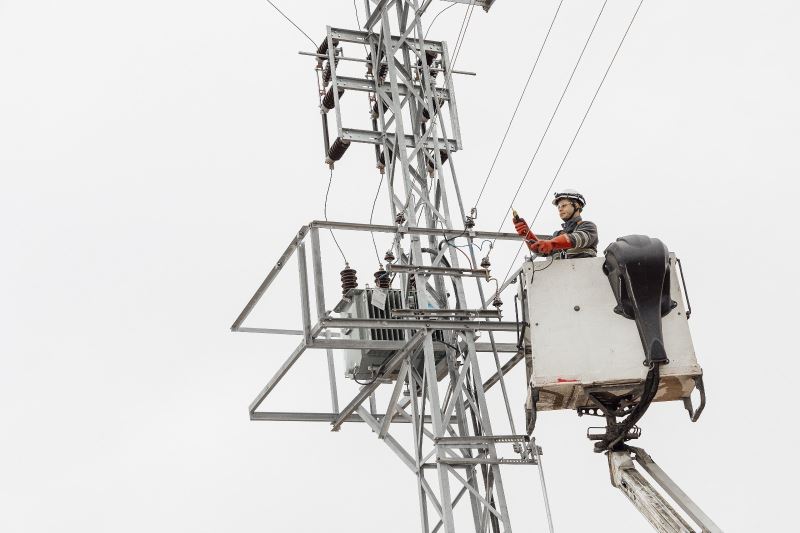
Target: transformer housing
(363,364)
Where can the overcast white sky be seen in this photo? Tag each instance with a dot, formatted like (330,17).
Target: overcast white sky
(157,156)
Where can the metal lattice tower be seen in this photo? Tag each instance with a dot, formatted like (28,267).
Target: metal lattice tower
(415,131)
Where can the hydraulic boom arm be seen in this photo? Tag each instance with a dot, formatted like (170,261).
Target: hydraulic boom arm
(653,506)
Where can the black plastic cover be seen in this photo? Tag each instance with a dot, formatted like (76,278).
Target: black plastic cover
(638,269)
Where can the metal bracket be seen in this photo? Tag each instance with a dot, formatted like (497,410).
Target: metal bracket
(483,460)
(446,313)
(590,411)
(476,442)
(685,290)
(592,434)
(532,414)
(432,270)
(687,402)
(522,446)
(621,410)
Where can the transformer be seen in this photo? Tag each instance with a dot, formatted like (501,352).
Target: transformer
(363,364)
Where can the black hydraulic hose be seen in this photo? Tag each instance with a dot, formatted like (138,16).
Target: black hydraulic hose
(621,429)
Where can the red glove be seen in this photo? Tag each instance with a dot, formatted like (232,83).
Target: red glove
(561,242)
(523,230)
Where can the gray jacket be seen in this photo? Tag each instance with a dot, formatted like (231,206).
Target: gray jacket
(582,234)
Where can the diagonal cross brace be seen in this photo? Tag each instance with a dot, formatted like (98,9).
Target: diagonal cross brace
(391,366)
(391,409)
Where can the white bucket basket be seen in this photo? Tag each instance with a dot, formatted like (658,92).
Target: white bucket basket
(580,345)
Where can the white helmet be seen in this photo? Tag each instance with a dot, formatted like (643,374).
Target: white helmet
(572,194)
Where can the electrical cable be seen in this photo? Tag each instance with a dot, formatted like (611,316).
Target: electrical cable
(325,212)
(552,260)
(372,214)
(461,29)
(446,240)
(553,116)
(467,19)
(292,23)
(616,433)
(434,18)
(544,135)
(591,103)
(358,22)
(519,102)
(419,216)
(470,245)
(375,377)
(454,347)
(449,241)
(544,485)
(583,120)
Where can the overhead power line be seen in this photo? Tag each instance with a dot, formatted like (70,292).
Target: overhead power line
(292,22)
(583,120)
(591,103)
(462,33)
(436,17)
(519,101)
(553,116)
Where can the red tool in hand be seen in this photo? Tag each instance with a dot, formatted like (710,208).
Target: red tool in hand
(523,230)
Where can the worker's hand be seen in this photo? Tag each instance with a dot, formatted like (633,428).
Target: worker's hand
(522,228)
(524,231)
(561,242)
(542,247)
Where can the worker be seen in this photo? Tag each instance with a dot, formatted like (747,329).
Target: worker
(576,238)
